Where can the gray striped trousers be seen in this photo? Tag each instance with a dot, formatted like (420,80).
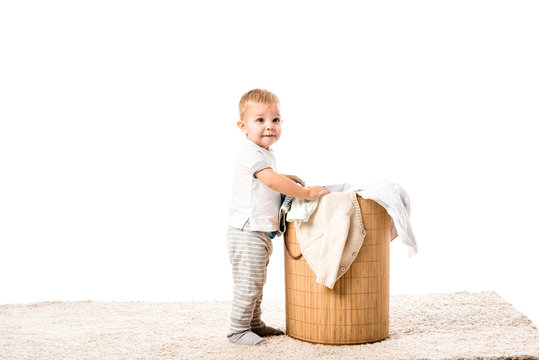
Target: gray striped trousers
(249,253)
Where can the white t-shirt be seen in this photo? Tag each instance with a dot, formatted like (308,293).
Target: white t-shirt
(252,199)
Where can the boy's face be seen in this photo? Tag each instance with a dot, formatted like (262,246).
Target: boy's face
(261,124)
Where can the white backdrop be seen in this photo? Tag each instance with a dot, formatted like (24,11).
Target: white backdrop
(118,138)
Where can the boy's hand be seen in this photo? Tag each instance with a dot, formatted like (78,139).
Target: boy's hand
(317,191)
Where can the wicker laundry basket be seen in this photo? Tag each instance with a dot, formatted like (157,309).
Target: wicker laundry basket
(356,310)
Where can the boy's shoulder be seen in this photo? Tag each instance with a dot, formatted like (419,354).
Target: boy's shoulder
(248,148)
(251,154)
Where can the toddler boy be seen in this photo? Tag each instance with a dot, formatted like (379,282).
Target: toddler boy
(254,212)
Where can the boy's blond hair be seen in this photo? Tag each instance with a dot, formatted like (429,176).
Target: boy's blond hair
(257,96)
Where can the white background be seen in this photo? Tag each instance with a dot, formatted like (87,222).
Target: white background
(118,138)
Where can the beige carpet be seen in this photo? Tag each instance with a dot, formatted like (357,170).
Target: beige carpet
(439,326)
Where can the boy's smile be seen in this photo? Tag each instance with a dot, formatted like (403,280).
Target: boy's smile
(261,124)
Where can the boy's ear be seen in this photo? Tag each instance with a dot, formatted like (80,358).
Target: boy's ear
(242,126)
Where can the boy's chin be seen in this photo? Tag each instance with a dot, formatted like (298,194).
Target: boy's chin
(266,142)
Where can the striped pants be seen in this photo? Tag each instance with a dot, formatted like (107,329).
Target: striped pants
(249,253)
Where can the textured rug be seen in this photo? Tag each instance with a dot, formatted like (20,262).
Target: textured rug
(438,326)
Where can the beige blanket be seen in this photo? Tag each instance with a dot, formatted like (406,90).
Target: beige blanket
(331,239)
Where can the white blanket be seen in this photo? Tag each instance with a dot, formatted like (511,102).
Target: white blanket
(397,204)
(389,195)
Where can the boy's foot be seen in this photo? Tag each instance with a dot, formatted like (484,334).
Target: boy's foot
(246,338)
(267,331)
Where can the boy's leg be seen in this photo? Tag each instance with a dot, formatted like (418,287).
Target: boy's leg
(249,254)
(256,322)
(257,325)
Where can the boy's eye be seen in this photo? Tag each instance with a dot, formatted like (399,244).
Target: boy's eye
(276,120)
(259,120)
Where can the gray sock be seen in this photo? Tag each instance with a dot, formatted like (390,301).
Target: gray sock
(267,331)
(246,338)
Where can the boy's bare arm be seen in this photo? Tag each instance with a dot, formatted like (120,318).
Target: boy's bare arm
(286,186)
(295,178)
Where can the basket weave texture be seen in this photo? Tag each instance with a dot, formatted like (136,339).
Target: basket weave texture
(356,310)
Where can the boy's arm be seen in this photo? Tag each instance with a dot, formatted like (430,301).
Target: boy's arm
(286,186)
(295,178)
